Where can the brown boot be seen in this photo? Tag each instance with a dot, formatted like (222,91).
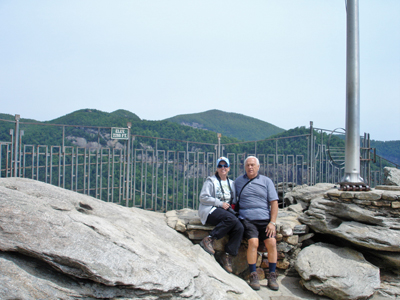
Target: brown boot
(226,262)
(207,244)
(272,284)
(254,283)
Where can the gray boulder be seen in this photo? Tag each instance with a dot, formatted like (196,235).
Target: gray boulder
(56,243)
(353,223)
(338,273)
(392,176)
(303,194)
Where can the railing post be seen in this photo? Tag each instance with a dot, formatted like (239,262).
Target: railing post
(16,142)
(128,165)
(311,160)
(219,145)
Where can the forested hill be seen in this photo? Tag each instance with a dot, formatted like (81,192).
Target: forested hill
(94,117)
(50,135)
(229,124)
(390,150)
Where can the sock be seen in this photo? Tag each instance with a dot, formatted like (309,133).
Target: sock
(272,267)
(252,268)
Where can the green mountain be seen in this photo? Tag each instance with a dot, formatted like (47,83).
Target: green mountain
(233,127)
(390,150)
(94,117)
(42,133)
(229,124)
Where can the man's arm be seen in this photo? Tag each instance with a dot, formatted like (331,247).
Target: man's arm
(271,229)
(274,210)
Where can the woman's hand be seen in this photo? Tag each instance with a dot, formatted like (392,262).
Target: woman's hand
(225,205)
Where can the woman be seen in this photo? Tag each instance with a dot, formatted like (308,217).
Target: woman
(215,198)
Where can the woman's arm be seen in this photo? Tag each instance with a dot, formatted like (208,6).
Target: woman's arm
(207,194)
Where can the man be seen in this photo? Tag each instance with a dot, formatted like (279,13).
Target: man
(258,209)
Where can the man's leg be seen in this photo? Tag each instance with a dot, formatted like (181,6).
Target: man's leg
(270,244)
(252,251)
(251,234)
(252,260)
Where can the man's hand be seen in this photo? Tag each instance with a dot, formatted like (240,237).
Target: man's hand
(270,230)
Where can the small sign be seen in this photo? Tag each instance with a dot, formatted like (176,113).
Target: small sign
(119,133)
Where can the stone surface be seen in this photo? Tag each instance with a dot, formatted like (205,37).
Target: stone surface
(304,194)
(338,273)
(68,245)
(25,277)
(386,260)
(353,223)
(392,176)
(293,240)
(287,223)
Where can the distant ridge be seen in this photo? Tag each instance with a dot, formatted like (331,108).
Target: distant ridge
(94,117)
(229,124)
(233,127)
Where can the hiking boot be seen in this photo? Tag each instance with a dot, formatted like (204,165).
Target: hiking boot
(226,261)
(272,284)
(254,283)
(207,244)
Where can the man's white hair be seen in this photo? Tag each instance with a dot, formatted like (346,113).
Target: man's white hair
(258,162)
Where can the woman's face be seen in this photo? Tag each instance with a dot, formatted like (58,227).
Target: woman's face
(222,169)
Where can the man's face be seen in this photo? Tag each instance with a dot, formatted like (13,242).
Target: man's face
(251,168)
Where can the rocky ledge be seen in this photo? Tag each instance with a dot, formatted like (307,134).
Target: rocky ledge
(344,245)
(59,244)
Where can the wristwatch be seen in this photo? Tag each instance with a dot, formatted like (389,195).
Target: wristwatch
(273,223)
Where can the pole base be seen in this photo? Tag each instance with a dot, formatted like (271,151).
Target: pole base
(354,186)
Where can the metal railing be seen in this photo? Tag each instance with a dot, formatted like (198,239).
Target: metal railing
(162,174)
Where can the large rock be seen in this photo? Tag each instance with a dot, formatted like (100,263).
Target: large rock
(353,223)
(303,194)
(289,233)
(392,176)
(338,273)
(60,244)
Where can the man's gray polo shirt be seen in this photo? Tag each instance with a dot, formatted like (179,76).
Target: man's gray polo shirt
(255,197)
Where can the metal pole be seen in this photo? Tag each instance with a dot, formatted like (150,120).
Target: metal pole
(352,147)
(16,141)
(311,153)
(219,145)
(128,166)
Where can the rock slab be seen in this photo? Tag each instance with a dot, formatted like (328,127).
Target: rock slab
(392,176)
(58,243)
(338,273)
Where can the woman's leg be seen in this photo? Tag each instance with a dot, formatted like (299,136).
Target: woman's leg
(223,221)
(235,238)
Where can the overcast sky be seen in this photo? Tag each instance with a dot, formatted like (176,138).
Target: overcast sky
(280,61)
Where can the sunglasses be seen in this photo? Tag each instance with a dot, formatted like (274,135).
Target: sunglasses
(222,166)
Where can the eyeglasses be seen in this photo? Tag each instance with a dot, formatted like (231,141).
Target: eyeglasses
(222,166)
